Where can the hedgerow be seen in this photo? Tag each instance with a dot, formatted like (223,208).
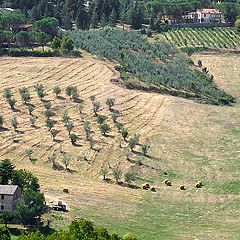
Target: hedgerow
(159,64)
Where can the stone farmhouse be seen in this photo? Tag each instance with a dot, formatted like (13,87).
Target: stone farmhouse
(10,195)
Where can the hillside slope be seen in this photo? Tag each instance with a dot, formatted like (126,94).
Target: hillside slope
(189,142)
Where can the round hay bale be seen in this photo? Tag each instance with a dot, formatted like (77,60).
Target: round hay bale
(169,183)
(153,189)
(65,190)
(198,185)
(147,185)
(144,187)
(182,187)
(166,181)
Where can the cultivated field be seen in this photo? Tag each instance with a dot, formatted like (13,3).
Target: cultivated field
(189,142)
(219,38)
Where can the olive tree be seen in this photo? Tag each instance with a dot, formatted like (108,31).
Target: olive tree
(7,93)
(119,126)
(145,148)
(101,119)
(117,173)
(66,117)
(87,129)
(66,158)
(104,171)
(33,120)
(110,102)
(57,90)
(15,123)
(124,133)
(30,109)
(132,142)
(47,105)
(129,176)
(104,128)
(25,94)
(49,124)
(1,120)
(40,91)
(96,107)
(69,126)
(73,137)
(29,153)
(11,101)
(54,133)
(49,113)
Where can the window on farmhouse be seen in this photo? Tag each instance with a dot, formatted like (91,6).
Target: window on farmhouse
(2,207)
(2,196)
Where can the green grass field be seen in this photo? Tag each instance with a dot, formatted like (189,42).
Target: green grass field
(220,38)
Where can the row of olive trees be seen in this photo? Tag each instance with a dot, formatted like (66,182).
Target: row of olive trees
(138,57)
(118,174)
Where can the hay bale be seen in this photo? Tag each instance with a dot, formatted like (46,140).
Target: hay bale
(165,181)
(65,190)
(147,185)
(168,183)
(198,185)
(182,187)
(153,189)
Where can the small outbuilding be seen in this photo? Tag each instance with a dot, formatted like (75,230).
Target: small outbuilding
(10,196)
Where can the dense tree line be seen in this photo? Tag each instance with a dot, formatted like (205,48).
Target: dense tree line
(93,13)
(81,229)
(140,58)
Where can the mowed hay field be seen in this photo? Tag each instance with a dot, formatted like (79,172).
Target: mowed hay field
(189,142)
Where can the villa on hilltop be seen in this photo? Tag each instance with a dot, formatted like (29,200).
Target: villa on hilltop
(203,16)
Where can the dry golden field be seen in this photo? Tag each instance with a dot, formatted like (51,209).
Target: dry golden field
(189,142)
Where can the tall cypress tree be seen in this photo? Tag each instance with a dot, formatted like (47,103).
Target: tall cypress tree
(82,16)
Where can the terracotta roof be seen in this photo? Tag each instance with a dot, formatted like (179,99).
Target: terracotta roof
(8,189)
(210,10)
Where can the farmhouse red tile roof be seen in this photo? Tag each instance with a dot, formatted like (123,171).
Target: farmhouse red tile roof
(210,10)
